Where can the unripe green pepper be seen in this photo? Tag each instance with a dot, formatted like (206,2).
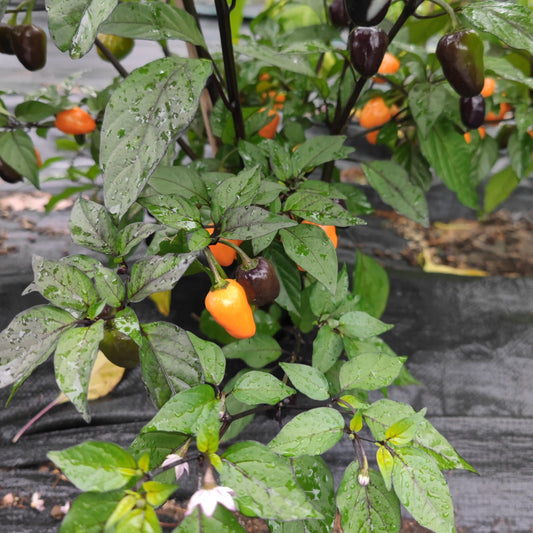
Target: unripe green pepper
(367,12)
(29,44)
(5,39)
(472,111)
(367,47)
(461,57)
(120,47)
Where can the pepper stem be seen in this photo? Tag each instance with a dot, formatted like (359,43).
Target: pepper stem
(449,9)
(217,271)
(247,262)
(29,11)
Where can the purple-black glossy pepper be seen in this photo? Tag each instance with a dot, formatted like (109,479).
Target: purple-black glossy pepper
(367,12)
(29,45)
(260,283)
(8,173)
(338,14)
(472,111)
(5,39)
(367,48)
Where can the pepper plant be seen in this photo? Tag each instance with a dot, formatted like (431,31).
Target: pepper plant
(229,157)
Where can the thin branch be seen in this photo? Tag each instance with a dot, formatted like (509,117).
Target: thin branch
(112,59)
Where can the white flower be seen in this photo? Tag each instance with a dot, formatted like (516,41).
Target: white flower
(363,478)
(37,502)
(65,508)
(178,469)
(208,499)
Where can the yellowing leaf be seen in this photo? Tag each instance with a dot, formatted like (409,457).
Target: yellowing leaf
(162,300)
(429,266)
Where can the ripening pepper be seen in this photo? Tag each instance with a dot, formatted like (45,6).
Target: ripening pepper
(461,57)
(259,281)
(29,45)
(472,111)
(367,12)
(367,48)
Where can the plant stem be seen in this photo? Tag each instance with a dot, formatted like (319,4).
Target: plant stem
(216,269)
(112,59)
(41,413)
(229,66)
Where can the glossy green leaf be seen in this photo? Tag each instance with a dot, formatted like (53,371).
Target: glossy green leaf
(250,222)
(154,21)
(520,148)
(126,322)
(91,226)
(395,188)
(211,358)
(109,285)
(157,444)
(370,371)
(445,149)
(89,512)
(16,149)
(29,339)
(73,24)
(499,187)
(173,211)
(132,235)
(422,489)
(319,149)
(74,357)
(264,483)
(509,21)
(147,113)
(327,348)
(426,102)
(185,411)
(310,248)
(169,361)
(404,430)
(157,273)
(257,351)
(63,285)
(179,181)
(34,111)
(95,466)
(307,379)
(256,387)
(309,433)
(361,325)
(371,283)
(370,508)
(139,520)
(222,521)
(315,478)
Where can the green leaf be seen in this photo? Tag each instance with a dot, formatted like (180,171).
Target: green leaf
(367,508)
(185,411)
(235,191)
(264,483)
(139,520)
(403,431)
(173,211)
(89,512)
(222,521)
(211,358)
(312,432)
(109,285)
(96,466)
(157,273)
(311,249)
(370,371)
(422,489)
(256,387)
(371,283)
(327,348)
(520,148)
(132,235)
(180,181)
(63,285)
(392,183)
(73,24)
(29,339)
(74,358)
(91,226)
(16,149)
(308,380)
(157,444)
(169,361)
(257,351)
(384,413)
(509,21)
(361,325)
(318,208)
(292,63)
(318,150)
(126,322)
(315,478)
(145,115)
(34,111)
(385,462)
(450,156)
(426,102)
(249,222)
(499,187)
(154,21)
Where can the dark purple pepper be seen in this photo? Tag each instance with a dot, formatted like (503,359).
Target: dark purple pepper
(367,48)
(472,111)
(461,57)
(8,173)
(260,283)
(338,14)
(5,39)
(29,44)
(367,12)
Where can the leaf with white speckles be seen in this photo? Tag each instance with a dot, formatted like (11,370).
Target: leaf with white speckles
(147,113)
